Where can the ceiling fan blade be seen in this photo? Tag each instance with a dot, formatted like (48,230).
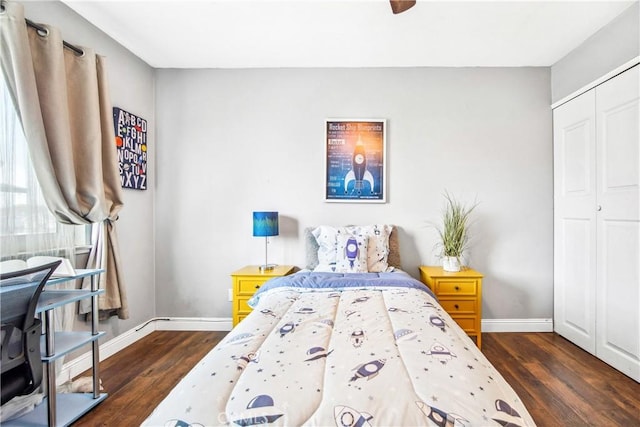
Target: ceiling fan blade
(399,6)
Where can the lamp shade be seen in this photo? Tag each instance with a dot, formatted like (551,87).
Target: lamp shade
(265,223)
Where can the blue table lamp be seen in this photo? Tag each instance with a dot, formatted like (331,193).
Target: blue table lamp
(265,224)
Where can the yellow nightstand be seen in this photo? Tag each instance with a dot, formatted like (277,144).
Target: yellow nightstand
(247,281)
(460,294)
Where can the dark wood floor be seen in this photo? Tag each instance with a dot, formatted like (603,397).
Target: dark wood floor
(560,384)
(140,376)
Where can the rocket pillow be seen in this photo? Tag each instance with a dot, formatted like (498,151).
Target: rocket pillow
(331,252)
(351,254)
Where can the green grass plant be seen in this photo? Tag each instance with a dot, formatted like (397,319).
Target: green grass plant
(454,236)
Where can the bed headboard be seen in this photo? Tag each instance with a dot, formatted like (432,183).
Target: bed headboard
(311,249)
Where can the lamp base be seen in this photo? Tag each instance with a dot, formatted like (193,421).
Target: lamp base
(267,267)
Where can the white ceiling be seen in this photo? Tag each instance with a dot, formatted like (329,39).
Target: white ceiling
(348,33)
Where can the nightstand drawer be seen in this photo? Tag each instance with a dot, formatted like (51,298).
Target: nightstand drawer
(454,307)
(249,285)
(240,304)
(455,287)
(468,324)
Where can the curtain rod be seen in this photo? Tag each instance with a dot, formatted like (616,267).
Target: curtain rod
(44,31)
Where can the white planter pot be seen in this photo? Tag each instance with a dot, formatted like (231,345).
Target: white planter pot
(450,263)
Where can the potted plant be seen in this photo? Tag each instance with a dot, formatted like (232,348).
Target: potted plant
(454,237)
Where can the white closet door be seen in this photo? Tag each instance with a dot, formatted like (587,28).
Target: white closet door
(618,222)
(574,135)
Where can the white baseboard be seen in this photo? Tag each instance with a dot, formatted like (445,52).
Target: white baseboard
(193,324)
(80,364)
(517,325)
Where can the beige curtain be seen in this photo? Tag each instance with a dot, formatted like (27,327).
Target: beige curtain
(62,100)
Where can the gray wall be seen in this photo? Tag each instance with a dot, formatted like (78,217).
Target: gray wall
(612,46)
(132,88)
(234,141)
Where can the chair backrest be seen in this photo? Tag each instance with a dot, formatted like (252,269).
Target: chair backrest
(19,294)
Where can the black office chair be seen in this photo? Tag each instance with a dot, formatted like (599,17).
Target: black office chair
(21,364)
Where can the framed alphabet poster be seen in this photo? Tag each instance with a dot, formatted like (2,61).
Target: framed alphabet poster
(355,152)
(131,142)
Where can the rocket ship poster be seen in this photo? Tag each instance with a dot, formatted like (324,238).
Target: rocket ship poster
(131,142)
(355,160)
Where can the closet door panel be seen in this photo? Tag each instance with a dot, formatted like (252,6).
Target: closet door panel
(574,220)
(618,222)
(618,325)
(577,310)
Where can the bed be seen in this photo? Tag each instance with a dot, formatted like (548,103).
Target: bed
(344,348)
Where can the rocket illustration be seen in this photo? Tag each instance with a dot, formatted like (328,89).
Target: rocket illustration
(437,322)
(359,172)
(316,353)
(357,337)
(351,250)
(245,359)
(260,410)
(288,327)
(402,335)
(368,370)
(240,338)
(441,418)
(506,415)
(440,353)
(349,417)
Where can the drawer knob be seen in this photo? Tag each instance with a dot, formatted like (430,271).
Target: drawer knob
(457,288)
(257,286)
(457,307)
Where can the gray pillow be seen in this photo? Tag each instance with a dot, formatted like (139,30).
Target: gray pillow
(311,248)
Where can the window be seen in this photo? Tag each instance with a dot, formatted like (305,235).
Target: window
(26,224)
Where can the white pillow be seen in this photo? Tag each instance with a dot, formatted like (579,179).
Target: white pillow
(351,255)
(327,246)
(378,247)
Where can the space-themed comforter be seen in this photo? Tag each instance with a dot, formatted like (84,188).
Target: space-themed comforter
(325,349)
